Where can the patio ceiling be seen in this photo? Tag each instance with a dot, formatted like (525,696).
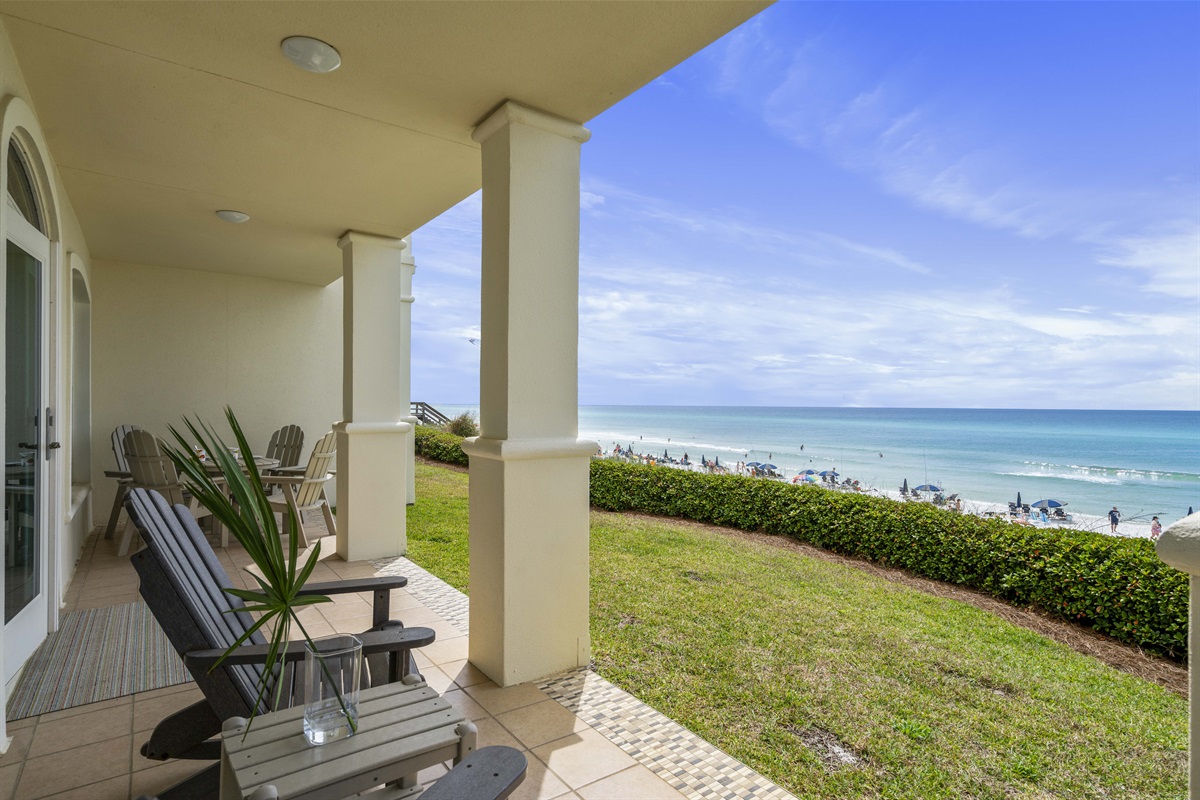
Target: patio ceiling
(160,113)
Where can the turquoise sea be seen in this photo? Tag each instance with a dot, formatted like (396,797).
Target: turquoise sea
(1143,462)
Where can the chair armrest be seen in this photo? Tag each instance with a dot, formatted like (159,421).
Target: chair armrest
(381,607)
(355,585)
(389,640)
(489,773)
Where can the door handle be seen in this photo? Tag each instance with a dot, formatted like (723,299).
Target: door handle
(53,446)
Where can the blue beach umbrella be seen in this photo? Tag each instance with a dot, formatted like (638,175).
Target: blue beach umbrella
(1018,499)
(809,472)
(928,487)
(717,461)
(753,463)
(1047,504)
(827,473)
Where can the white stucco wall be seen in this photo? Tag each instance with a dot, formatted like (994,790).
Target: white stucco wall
(170,342)
(68,249)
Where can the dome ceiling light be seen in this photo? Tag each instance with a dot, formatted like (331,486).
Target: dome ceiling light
(311,54)
(236,217)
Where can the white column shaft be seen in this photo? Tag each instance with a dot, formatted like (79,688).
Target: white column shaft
(372,435)
(407,267)
(529,474)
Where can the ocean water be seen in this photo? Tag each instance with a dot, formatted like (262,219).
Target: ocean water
(1143,462)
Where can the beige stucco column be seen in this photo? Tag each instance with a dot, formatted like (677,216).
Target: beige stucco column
(1179,546)
(371,455)
(408,266)
(529,471)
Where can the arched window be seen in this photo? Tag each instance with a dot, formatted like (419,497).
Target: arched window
(22,195)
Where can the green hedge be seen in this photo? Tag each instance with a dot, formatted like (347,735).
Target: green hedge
(1118,586)
(439,446)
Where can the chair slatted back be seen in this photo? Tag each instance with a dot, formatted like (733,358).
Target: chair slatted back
(184,585)
(150,467)
(286,445)
(317,472)
(118,445)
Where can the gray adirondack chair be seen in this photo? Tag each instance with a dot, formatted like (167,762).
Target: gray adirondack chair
(118,448)
(286,446)
(150,468)
(183,584)
(307,492)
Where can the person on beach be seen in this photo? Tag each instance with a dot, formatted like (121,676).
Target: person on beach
(1155,528)
(1114,517)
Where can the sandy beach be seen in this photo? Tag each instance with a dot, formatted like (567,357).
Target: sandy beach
(1135,529)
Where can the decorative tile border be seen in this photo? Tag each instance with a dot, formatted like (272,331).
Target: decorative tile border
(687,762)
(432,592)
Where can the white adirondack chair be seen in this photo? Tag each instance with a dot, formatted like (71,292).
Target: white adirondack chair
(307,492)
(150,468)
(118,448)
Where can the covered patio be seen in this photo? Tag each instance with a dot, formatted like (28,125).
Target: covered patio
(204,217)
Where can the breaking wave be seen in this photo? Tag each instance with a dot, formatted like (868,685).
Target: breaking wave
(1094,473)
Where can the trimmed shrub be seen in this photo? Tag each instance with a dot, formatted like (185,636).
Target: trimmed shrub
(1117,586)
(438,445)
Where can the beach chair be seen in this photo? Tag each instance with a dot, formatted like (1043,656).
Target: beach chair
(151,468)
(306,492)
(121,474)
(184,585)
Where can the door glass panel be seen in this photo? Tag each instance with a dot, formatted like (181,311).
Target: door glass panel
(22,402)
(20,187)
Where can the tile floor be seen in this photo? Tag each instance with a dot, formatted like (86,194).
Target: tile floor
(583,737)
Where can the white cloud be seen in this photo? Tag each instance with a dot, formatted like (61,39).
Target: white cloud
(1170,260)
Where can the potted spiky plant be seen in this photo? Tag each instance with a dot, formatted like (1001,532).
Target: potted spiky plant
(237,498)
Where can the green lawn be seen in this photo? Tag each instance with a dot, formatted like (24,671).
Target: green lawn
(760,650)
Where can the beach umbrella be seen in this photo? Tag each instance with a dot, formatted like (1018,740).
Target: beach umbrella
(1047,504)
(753,463)
(769,466)
(717,461)
(928,487)
(665,455)
(809,472)
(1018,499)
(829,472)
(812,478)
(904,488)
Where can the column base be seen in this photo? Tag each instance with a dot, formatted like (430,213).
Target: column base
(372,471)
(529,557)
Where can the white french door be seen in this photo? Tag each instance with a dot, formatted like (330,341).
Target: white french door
(28,445)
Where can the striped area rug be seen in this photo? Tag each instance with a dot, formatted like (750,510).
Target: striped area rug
(97,654)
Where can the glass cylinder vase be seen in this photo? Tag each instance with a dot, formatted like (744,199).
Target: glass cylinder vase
(333,670)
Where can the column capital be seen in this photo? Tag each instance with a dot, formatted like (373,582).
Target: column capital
(1179,545)
(354,237)
(514,113)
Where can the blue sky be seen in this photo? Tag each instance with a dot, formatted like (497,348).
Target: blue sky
(881,204)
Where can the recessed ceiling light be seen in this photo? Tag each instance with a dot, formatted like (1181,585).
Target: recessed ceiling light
(233,216)
(311,54)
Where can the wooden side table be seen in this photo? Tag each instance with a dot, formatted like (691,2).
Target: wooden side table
(402,729)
